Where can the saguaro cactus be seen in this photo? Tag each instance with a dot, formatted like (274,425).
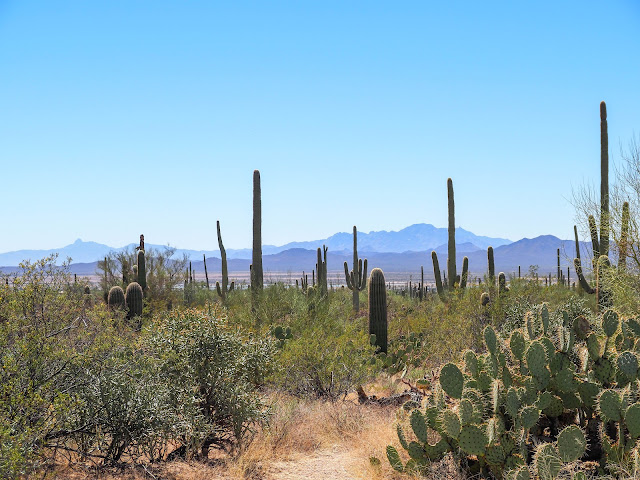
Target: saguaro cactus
(378,309)
(492,266)
(257,281)
(600,246)
(142,270)
(133,298)
(222,289)
(451,251)
(357,278)
(321,267)
(115,299)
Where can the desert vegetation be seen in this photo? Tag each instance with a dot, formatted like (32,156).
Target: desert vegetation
(149,373)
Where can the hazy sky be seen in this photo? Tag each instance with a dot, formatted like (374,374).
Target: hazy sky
(119,118)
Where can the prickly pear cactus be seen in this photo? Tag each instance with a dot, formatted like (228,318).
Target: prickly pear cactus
(539,404)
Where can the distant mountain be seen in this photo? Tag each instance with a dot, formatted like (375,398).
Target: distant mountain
(416,238)
(540,251)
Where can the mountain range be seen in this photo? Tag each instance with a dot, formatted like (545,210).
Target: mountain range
(402,252)
(419,237)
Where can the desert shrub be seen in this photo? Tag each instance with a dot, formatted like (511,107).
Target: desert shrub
(206,360)
(41,311)
(326,366)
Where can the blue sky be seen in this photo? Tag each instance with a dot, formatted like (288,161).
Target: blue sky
(119,118)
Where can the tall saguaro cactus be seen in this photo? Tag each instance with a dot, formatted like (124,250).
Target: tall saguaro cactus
(357,278)
(601,245)
(222,289)
(604,181)
(378,309)
(257,281)
(451,251)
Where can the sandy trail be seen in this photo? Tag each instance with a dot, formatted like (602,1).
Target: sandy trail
(334,463)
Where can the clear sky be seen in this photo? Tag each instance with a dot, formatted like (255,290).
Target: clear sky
(126,117)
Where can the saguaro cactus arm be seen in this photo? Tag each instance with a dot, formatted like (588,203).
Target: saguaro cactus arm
(624,238)
(583,281)
(436,274)
(465,272)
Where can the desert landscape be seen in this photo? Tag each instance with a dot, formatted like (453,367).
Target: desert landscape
(321,241)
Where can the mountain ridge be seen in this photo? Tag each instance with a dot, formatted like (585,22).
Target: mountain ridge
(417,237)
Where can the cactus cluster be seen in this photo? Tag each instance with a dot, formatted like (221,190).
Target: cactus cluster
(356,278)
(551,397)
(455,280)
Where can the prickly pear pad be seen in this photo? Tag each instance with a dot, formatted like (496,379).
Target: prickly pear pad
(473,440)
(628,364)
(517,344)
(609,404)
(491,339)
(419,426)
(547,462)
(610,323)
(571,443)
(451,380)
(632,420)
(536,359)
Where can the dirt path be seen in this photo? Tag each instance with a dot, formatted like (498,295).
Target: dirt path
(329,464)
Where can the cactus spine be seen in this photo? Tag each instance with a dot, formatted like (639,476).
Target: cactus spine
(222,289)
(378,309)
(257,281)
(357,278)
(451,252)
